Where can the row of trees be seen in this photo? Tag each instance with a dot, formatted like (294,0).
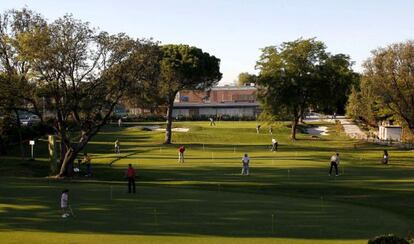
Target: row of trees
(301,75)
(386,90)
(82,74)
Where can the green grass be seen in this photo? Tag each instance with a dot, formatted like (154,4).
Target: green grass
(288,198)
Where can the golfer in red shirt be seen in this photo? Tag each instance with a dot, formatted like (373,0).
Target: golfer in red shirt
(181,150)
(131,178)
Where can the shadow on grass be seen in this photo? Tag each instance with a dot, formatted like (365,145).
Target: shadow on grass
(219,210)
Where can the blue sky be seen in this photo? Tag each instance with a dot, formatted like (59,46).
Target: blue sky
(235,30)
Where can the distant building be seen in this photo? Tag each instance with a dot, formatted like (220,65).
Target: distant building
(388,131)
(219,101)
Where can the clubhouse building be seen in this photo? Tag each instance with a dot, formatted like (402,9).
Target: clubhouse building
(235,101)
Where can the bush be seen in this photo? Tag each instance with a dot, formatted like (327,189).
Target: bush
(161,118)
(388,239)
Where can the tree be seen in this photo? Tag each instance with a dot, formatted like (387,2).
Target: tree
(388,78)
(85,74)
(147,95)
(339,80)
(246,78)
(295,76)
(16,91)
(185,67)
(364,104)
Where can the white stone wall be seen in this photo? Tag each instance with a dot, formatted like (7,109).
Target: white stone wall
(389,133)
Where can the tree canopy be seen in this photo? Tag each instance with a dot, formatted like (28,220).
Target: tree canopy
(82,72)
(185,67)
(246,78)
(386,89)
(299,75)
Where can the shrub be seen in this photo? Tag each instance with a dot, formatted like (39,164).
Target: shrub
(388,239)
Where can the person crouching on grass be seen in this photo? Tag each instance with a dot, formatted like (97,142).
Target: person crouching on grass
(245,161)
(64,200)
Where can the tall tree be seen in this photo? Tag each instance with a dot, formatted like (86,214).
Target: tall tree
(15,87)
(185,67)
(389,78)
(295,75)
(85,74)
(246,78)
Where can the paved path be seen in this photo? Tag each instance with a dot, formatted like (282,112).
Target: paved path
(351,129)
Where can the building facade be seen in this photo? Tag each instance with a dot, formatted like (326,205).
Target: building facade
(219,101)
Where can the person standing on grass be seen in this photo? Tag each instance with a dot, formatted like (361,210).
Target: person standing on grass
(181,151)
(87,162)
(274,145)
(117,147)
(258,129)
(270,130)
(245,161)
(64,203)
(334,163)
(385,157)
(212,121)
(131,174)
(119,122)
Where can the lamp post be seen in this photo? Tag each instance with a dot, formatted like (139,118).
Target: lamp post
(32,143)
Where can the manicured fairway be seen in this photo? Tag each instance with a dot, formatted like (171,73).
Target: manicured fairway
(288,198)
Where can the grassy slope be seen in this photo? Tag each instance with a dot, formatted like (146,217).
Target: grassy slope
(288,197)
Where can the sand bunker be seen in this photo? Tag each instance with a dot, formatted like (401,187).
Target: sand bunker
(318,131)
(146,127)
(158,128)
(175,129)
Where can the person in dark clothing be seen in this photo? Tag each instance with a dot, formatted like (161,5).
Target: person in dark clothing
(87,162)
(130,174)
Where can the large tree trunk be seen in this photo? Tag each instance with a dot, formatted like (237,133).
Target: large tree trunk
(294,125)
(72,152)
(68,160)
(168,131)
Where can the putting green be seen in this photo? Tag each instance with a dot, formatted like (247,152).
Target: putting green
(167,211)
(288,198)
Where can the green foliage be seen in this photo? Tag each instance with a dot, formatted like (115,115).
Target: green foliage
(246,78)
(386,89)
(299,75)
(185,67)
(388,239)
(82,73)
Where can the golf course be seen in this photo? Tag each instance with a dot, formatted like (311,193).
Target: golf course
(287,198)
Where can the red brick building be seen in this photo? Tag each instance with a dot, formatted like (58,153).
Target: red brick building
(220,100)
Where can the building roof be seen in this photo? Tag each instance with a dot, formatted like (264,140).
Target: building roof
(216,88)
(216,105)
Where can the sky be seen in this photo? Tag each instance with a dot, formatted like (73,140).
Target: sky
(236,30)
